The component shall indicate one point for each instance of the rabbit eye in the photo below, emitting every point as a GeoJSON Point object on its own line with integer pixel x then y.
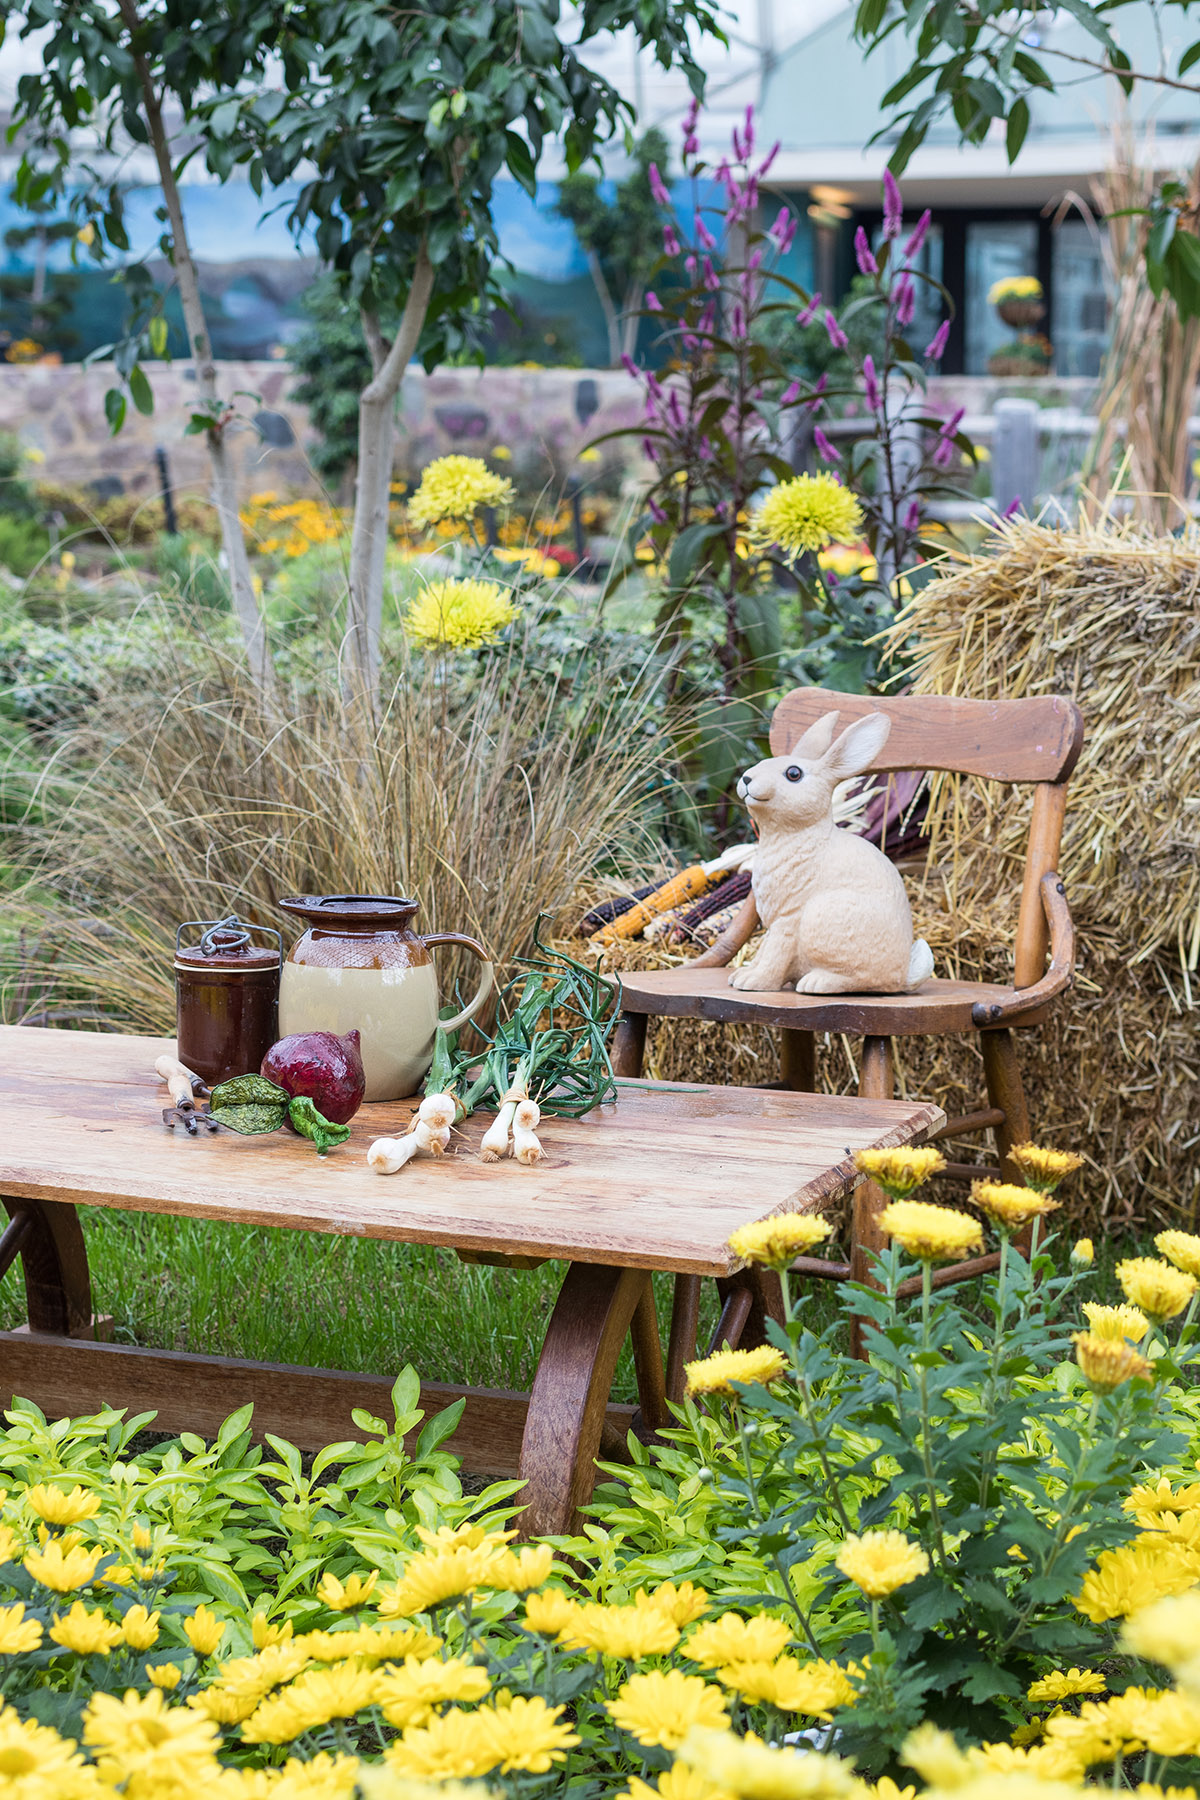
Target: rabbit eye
{"type": "Point", "coordinates": [794, 773]}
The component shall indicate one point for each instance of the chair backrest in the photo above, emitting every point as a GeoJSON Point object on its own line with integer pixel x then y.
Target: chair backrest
{"type": "Point", "coordinates": [1036, 740]}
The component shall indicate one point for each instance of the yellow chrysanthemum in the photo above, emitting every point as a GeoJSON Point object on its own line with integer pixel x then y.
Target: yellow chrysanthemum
{"type": "Point", "coordinates": [1009, 1207]}
{"type": "Point", "coordinates": [164, 1675]}
{"type": "Point", "coordinates": [526, 1734]}
{"type": "Point", "coordinates": [454, 1746]}
{"type": "Point", "coordinates": [1014, 287]}
{"type": "Point", "coordinates": [806, 513]}
{"type": "Point", "coordinates": [1107, 1364]}
{"type": "Point", "coordinates": [314, 1698]}
{"type": "Point", "coordinates": [930, 1233]}
{"type": "Point", "coordinates": [373, 1642]}
{"type": "Point", "coordinates": [57, 1508]}
{"type": "Point", "coordinates": [409, 1694]}
{"type": "Point", "coordinates": [627, 1632]}
{"type": "Point", "coordinates": [139, 1741]}
{"type": "Point", "coordinates": [452, 487]}
{"type": "Point", "coordinates": [433, 1577]}
{"type": "Point", "coordinates": [140, 1628]}
{"type": "Point", "coordinates": [1167, 1631]}
{"type": "Point", "coordinates": [1060, 1684]}
{"type": "Point", "coordinates": [815, 1687]}
{"type": "Point", "coordinates": [774, 1243]}
{"type": "Point", "coordinates": [1044, 1169]}
{"type": "Point", "coordinates": [204, 1631]}
{"type": "Point", "coordinates": [1132, 1576]}
{"type": "Point", "coordinates": [661, 1707]}
{"type": "Point", "coordinates": [355, 1592]}
{"type": "Point", "coordinates": [1158, 1289]}
{"type": "Point", "coordinates": [900, 1172]}
{"type": "Point", "coordinates": [1121, 1323]}
{"type": "Point", "coordinates": [716, 1374]}
{"type": "Point", "coordinates": [37, 1763]}
{"type": "Point", "coordinates": [935, 1756]}
{"type": "Point", "coordinates": [62, 1568]}
{"type": "Point", "coordinates": [242, 1683]}
{"type": "Point", "coordinates": [676, 1783]}
{"type": "Point", "coordinates": [326, 1777]}
{"type": "Point", "coordinates": [1082, 1253]}
{"type": "Point", "coordinates": [681, 1604]}
{"type": "Point", "coordinates": [550, 1613]}
{"type": "Point", "coordinates": [1159, 1504]}
{"type": "Point", "coordinates": [460, 613]}
{"type": "Point", "coordinates": [887, 1789]}
{"type": "Point", "coordinates": [18, 1635]}
{"type": "Point", "coordinates": [517, 1571]}
{"type": "Point", "coordinates": [85, 1631]}
{"type": "Point", "coordinates": [265, 1632]}
{"type": "Point", "coordinates": [879, 1562]}
{"type": "Point", "coordinates": [755, 1771]}
{"type": "Point", "coordinates": [1181, 1248]}
{"type": "Point", "coordinates": [730, 1639]}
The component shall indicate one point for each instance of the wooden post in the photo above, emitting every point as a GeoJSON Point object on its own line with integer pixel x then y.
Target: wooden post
{"type": "Point", "coordinates": [1015, 471]}
{"type": "Point", "coordinates": [629, 1044]}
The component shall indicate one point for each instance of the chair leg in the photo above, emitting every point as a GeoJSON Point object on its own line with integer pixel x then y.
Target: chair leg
{"type": "Point", "coordinates": [685, 1324]}
{"type": "Point", "coordinates": [876, 1082]}
{"type": "Point", "coordinates": [629, 1045]}
{"type": "Point", "coordinates": [797, 1054]}
{"type": "Point", "coordinates": [1006, 1093]}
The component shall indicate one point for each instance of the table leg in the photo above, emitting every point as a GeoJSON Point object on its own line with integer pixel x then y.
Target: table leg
{"type": "Point", "coordinates": [58, 1286]}
{"type": "Point", "coordinates": [593, 1313]}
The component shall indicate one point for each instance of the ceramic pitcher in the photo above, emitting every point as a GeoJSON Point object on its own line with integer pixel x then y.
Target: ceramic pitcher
{"type": "Point", "coordinates": [360, 967]}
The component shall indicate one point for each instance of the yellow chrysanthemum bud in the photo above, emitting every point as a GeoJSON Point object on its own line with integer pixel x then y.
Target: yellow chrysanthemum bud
{"type": "Point", "coordinates": [1082, 1254]}
{"type": "Point", "coordinates": [1105, 1362]}
{"type": "Point", "coordinates": [204, 1631]}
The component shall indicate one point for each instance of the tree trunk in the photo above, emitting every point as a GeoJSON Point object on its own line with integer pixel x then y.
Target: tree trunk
{"type": "Point", "coordinates": [611, 322]}
{"type": "Point", "coordinates": [376, 444]}
{"type": "Point", "coordinates": [224, 488]}
{"type": "Point", "coordinates": [633, 317]}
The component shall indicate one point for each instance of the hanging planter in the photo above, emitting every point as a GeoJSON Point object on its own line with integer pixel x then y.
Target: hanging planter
{"type": "Point", "coordinates": [1021, 314]}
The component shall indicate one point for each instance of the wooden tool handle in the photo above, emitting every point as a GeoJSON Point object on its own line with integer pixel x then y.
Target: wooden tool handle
{"type": "Point", "coordinates": [180, 1080]}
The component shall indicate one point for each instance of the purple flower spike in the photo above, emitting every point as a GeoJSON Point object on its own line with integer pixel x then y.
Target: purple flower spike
{"type": "Point", "coordinates": [906, 301]}
{"type": "Point", "coordinates": [871, 384]}
{"type": "Point", "coordinates": [712, 280]}
{"type": "Point", "coordinates": [690, 264]}
{"type": "Point", "coordinates": [893, 206]}
{"type": "Point", "coordinates": [825, 450]}
{"type": "Point", "coordinates": [862, 251]}
{"type": "Point", "coordinates": [791, 393]}
{"type": "Point", "coordinates": [671, 243]}
{"type": "Point", "coordinates": [943, 455]}
{"type": "Point", "coordinates": [658, 186]}
{"type": "Point", "coordinates": [918, 237]}
{"type": "Point", "coordinates": [737, 321]}
{"type": "Point", "coordinates": [769, 158]}
{"type": "Point", "coordinates": [650, 449]}
{"type": "Point", "coordinates": [954, 421]}
{"type": "Point", "coordinates": [935, 349]}
{"type": "Point", "coordinates": [814, 399]}
{"type": "Point", "coordinates": [704, 236]}
{"type": "Point", "coordinates": [656, 512]}
{"type": "Point", "coordinates": [739, 149]}
{"type": "Point", "coordinates": [810, 311]}
{"type": "Point", "coordinates": [1013, 508]}
{"type": "Point", "coordinates": [628, 364]}
{"type": "Point", "coordinates": [691, 144]}
{"type": "Point", "coordinates": [912, 516]}
{"type": "Point", "coordinates": [653, 303]}
{"type": "Point", "coordinates": [749, 131]}
{"type": "Point", "coordinates": [837, 336]}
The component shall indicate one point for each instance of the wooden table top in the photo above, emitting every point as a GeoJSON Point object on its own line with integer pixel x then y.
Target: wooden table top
{"type": "Point", "coordinates": [657, 1180]}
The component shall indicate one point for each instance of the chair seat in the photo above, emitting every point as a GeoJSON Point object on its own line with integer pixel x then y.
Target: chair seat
{"type": "Point", "coordinates": [937, 1007]}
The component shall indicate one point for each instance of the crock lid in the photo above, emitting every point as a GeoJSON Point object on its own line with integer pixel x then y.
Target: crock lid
{"type": "Point", "coordinates": [245, 956]}
{"type": "Point", "coordinates": [227, 944]}
{"type": "Point", "coordinates": [384, 912]}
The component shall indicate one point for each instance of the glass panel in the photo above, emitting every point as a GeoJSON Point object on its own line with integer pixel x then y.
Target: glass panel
{"type": "Point", "coordinates": [994, 249]}
{"type": "Point", "coordinates": [1079, 324]}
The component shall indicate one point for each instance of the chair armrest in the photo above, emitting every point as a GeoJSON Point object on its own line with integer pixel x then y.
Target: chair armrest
{"type": "Point", "coordinates": [1058, 976]}
{"type": "Point", "coordinates": [739, 931]}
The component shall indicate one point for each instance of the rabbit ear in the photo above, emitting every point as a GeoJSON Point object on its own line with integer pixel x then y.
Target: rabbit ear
{"type": "Point", "coordinates": [857, 747]}
{"type": "Point", "coordinates": [817, 739]}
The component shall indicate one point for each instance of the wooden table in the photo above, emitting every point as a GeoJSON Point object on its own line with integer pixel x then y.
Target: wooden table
{"type": "Point", "coordinates": [655, 1182]}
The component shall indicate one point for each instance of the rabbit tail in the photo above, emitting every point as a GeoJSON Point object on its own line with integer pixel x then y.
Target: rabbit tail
{"type": "Point", "coordinates": [920, 963]}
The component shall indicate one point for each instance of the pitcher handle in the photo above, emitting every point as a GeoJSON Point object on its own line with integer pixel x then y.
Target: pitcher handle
{"type": "Point", "coordinates": [486, 980]}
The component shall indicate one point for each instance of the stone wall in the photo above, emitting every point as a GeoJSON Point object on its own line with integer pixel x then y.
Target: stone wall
{"type": "Point", "coordinates": [543, 417]}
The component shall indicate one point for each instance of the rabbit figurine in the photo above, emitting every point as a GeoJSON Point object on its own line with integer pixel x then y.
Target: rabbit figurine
{"type": "Point", "coordinates": [836, 914]}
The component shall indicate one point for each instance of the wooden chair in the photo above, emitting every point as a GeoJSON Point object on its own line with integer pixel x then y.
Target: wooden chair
{"type": "Point", "coordinates": [1036, 741]}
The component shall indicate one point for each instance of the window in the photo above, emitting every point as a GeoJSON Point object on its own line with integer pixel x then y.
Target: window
{"type": "Point", "coordinates": [1079, 321]}
{"type": "Point", "coordinates": [994, 249]}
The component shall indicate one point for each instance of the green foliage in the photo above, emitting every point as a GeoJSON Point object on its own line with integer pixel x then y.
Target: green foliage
{"type": "Point", "coordinates": [622, 238]}
{"type": "Point", "coordinates": [330, 356]}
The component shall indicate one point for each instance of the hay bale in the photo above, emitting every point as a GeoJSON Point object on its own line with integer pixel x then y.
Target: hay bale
{"type": "Point", "coordinates": [1110, 616]}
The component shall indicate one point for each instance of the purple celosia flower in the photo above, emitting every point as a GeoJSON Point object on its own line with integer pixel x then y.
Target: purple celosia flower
{"type": "Point", "coordinates": [690, 341]}
{"type": "Point", "coordinates": [671, 243]}
{"type": "Point", "coordinates": [769, 158]}
{"type": "Point", "coordinates": [754, 260]}
{"type": "Point", "coordinates": [658, 186]}
{"type": "Point", "coordinates": [912, 516]}
{"type": "Point", "coordinates": [737, 321]}
{"type": "Point", "coordinates": [810, 311]}
{"type": "Point", "coordinates": [653, 303]}
{"type": "Point", "coordinates": [1013, 508]}
{"type": "Point", "coordinates": [918, 236]}
{"type": "Point", "coordinates": [863, 256]}
{"type": "Point", "coordinates": [656, 512]}
{"type": "Point", "coordinates": [906, 302]}
{"type": "Point", "coordinates": [712, 280]}
{"type": "Point", "coordinates": [749, 131]}
{"type": "Point", "coordinates": [935, 349]}
{"type": "Point", "coordinates": [953, 422]}
{"type": "Point", "coordinates": [871, 384]}
{"type": "Point", "coordinates": [837, 336]}
{"type": "Point", "coordinates": [650, 449]}
{"type": "Point", "coordinates": [675, 410]}
{"type": "Point", "coordinates": [825, 450]}
{"type": "Point", "coordinates": [628, 364]}
{"type": "Point", "coordinates": [691, 144]}
{"type": "Point", "coordinates": [704, 450]}
{"type": "Point", "coordinates": [690, 264]}
{"type": "Point", "coordinates": [791, 392]}
{"type": "Point", "coordinates": [893, 206]}
{"type": "Point", "coordinates": [704, 236]}
{"type": "Point", "coordinates": [943, 454]}
{"type": "Point", "coordinates": [653, 384]}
